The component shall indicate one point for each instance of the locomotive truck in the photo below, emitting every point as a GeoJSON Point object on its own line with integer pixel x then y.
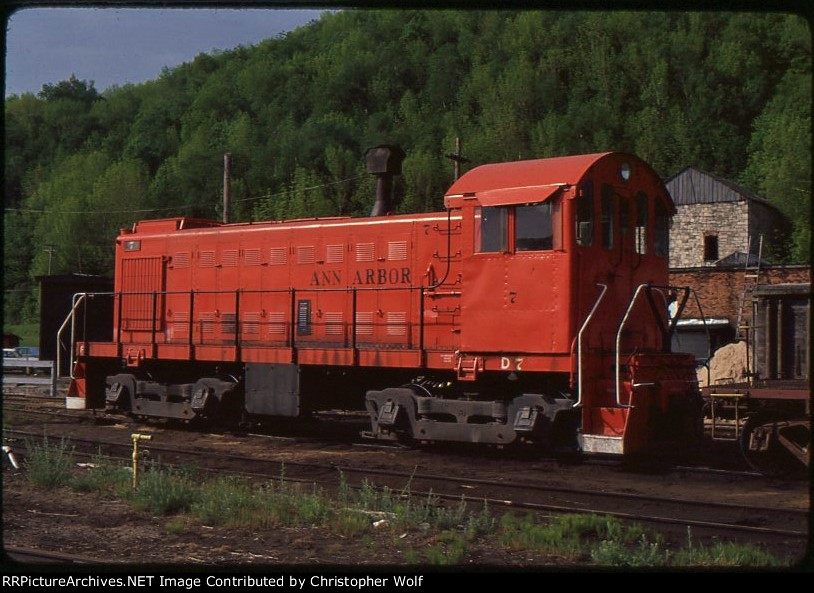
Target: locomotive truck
{"type": "Point", "coordinates": [533, 310]}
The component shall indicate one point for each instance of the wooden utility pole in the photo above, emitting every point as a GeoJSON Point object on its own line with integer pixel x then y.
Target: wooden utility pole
{"type": "Point", "coordinates": [227, 174]}
{"type": "Point", "coordinates": [458, 158]}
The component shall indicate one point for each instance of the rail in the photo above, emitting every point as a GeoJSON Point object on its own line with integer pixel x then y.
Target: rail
{"type": "Point", "coordinates": [76, 301]}
{"type": "Point", "coordinates": [579, 342]}
{"type": "Point", "coordinates": [667, 334]}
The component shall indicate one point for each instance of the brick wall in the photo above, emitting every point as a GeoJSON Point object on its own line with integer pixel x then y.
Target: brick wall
{"type": "Point", "coordinates": [720, 290]}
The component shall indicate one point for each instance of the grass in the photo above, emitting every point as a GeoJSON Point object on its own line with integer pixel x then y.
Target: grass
{"type": "Point", "coordinates": [440, 534]}
{"type": "Point", "coordinates": [722, 554]}
{"type": "Point", "coordinates": [104, 477]}
{"type": "Point", "coordinates": [48, 466]}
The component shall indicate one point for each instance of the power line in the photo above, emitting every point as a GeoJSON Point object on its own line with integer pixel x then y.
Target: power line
{"type": "Point", "coordinates": [35, 211]}
{"type": "Point", "coordinates": [183, 207]}
{"type": "Point", "coordinates": [283, 192]}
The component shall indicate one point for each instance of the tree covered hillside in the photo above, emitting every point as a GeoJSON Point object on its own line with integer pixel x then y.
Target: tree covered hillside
{"type": "Point", "coordinates": [726, 92]}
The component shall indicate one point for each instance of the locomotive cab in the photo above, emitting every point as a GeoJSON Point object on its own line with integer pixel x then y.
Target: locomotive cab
{"type": "Point", "coordinates": [565, 271]}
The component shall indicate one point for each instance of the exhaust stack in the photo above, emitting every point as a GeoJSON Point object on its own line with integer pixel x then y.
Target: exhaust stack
{"type": "Point", "coordinates": [384, 161]}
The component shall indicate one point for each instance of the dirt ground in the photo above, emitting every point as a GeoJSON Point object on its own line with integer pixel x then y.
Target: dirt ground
{"type": "Point", "coordinates": [89, 526]}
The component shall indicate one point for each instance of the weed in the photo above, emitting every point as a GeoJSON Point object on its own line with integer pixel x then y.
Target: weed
{"type": "Point", "coordinates": [176, 526]}
{"type": "Point", "coordinates": [103, 477]}
{"type": "Point", "coordinates": [48, 466]}
{"type": "Point", "coordinates": [722, 554]}
{"type": "Point", "coordinates": [451, 549]}
{"type": "Point", "coordinates": [616, 553]}
{"type": "Point", "coordinates": [351, 524]}
{"type": "Point", "coordinates": [481, 524]}
{"type": "Point", "coordinates": [164, 492]}
{"type": "Point", "coordinates": [226, 501]}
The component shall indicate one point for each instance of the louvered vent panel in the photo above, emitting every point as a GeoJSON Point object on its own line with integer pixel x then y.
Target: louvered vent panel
{"type": "Point", "coordinates": [229, 257]}
{"type": "Point", "coordinates": [207, 321]}
{"type": "Point", "coordinates": [365, 252]}
{"type": "Point", "coordinates": [278, 256]}
{"type": "Point", "coordinates": [335, 254]}
{"type": "Point", "coordinates": [206, 259]}
{"type": "Point", "coordinates": [276, 323]}
{"type": "Point", "coordinates": [397, 250]}
{"type": "Point", "coordinates": [251, 323]}
{"type": "Point", "coordinates": [305, 254]}
{"type": "Point", "coordinates": [364, 323]}
{"type": "Point", "coordinates": [333, 324]}
{"type": "Point", "coordinates": [396, 323]}
{"type": "Point", "coordinates": [180, 325]}
{"type": "Point", "coordinates": [181, 259]}
{"type": "Point", "coordinates": [252, 257]}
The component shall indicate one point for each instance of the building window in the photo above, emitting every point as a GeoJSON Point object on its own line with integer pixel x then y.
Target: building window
{"type": "Point", "coordinates": [710, 247]}
{"type": "Point", "coordinates": [662, 230]}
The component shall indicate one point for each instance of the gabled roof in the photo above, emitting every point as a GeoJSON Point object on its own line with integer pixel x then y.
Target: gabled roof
{"type": "Point", "coordinates": [694, 186]}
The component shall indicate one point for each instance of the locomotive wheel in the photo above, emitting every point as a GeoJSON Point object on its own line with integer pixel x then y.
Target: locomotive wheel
{"type": "Point", "coordinates": [763, 451]}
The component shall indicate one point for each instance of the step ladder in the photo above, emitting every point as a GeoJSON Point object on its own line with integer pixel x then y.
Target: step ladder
{"type": "Point", "coordinates": [751, 278]}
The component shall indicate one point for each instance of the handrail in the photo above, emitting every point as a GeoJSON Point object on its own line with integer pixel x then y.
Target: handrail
{"type": "Point", "coordinates": [619, 344]}
{"type": "Point", "coordinates": [415, 324]}
{"type": "Point", "coordinates": [579, 342]}
{"type": "Point", "coordinates": [72, 319]}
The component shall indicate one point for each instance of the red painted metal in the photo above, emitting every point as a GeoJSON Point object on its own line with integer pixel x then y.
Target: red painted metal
{"type": "Point", "coordinates": [409, 291]}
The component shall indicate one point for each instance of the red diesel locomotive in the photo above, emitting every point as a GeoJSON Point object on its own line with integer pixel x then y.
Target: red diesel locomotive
{"type": "Point", "coordinates": [533, 310]}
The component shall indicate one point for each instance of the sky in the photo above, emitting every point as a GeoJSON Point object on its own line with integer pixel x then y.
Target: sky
{"type": "Point", "coordinates": [114, 46]}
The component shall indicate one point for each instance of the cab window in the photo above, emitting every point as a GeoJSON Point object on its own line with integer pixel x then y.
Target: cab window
{"type": "Point", "coordinates": [585, 215]}
{"type": "Point", "coordinates": [533, 228]}
{"type": "Point", "coordinates": [641, 223]}
{"type": "Point", "coordinates": [608, 207]}
{"type": "Point", "coordinates": [624, 220]}
{"type": "Point", "coordinates": [491, 228]}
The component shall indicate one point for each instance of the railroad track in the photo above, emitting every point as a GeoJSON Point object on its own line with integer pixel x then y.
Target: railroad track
{"type": "Point", "coordinates": [345, 431]}
{"type": "Point", "coordinates": [725, 520]}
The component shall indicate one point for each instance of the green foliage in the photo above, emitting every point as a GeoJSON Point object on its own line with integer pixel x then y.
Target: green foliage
{"type": "Point", "coordinates": [48, 466]}
{"type": "Point", "coordinates": [727, 92]}
{"type": "Point", "coordinates": [165, 492]}
{"type": "Point", "coordinates": [104, 477]}
{"type": "Point", "coordinates": [722, 554]}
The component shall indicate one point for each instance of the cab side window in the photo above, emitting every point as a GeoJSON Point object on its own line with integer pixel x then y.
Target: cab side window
{"type": "Point", "coordinates": [491, 228]}
{"type": "Point", "coordinates": [624, 221]}
{"type": "Point", "coordinates": [585, 215]}
{"type": "Point", "coordinates": [533, 228]}
{"type": "Point", "coordinates": [641, 223]}
{"type": "Point", "coordinates": [608, 207]}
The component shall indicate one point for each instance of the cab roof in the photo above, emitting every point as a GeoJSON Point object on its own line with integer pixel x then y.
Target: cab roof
{"type": "Point", "coordinates": [527, 181]}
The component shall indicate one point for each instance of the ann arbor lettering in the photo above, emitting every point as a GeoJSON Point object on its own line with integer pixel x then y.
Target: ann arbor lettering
{"type": "Point", "coordinates": [366, 277]}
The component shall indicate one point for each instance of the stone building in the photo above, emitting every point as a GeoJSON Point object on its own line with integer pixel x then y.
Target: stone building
{"type": "Point", "coordinates": [715, 219]}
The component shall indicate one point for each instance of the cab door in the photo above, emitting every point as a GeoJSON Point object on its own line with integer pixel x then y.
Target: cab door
{"type": "Point", "coordinates": [515, 281]}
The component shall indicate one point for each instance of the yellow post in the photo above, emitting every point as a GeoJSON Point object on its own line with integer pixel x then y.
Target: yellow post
{"type": "Point", "coordinates": [136, 438]}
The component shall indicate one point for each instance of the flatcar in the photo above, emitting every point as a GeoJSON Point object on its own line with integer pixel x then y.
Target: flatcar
{"type": "Point", "coordinates": [533, 310]}
{"type": "Point", "coordinates": [771, 409]}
